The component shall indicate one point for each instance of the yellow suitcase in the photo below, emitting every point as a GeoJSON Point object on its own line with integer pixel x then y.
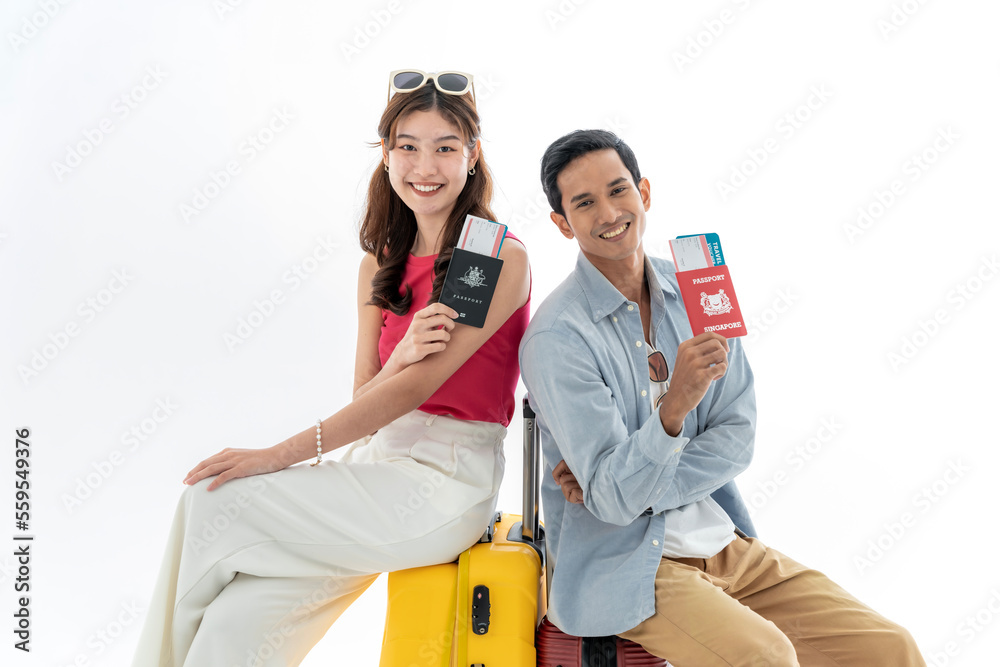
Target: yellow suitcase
{"type": "Point", "coordinates": [482, 609]}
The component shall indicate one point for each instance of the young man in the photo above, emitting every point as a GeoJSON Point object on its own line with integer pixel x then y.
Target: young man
{"type": "Point", "coordinates": [648, 537]}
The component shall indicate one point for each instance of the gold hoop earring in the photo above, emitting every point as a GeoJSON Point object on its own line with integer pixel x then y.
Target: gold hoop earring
{"type": "Point", "coordinates": [472, 172]}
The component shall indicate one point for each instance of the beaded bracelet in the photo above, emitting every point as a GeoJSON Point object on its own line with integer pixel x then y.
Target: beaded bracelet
{"type": "Point", "coordinates": [319, 443]}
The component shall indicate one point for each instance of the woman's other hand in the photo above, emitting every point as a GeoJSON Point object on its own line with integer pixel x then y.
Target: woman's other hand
{"type": "Point", "coordinates": [232, 463]}
{"type": "Point", "coordinates": [429, 332]}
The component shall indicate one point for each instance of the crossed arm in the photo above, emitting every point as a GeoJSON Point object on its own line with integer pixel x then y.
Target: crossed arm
{"type": "Point", "coordinates": [618, 475]}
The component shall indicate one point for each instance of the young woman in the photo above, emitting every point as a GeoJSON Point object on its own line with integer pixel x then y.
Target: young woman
{"type": "Point", "coordinates": [264, 555]}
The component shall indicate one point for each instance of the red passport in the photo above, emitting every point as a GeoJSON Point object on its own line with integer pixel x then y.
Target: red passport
{"type": "Point", "coordinates": [710, 301]}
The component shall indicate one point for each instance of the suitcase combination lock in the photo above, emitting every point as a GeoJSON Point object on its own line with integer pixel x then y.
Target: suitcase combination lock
{"type": "Point", "coordinates": [480, 610]}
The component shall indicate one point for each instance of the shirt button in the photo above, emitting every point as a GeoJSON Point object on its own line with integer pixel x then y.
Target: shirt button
{"type": "Point", "coordinates": [677, 450]}
{"type": "Point", "coordinates": [631, 307]}
{"type": "Point", "coordinates": [638, 343]}
{"type": "Point", "coordinates": [643, 392]}
{"type": "Point", "coordinates": [656, 543]}
{"type": "Point", "coordinates": [614, 319]}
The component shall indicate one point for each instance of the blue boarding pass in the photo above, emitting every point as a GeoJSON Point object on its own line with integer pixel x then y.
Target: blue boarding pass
{"type": "Point", "coordinates": [482, 236]}
{"type": "Point", "coordinates": [697, 251]}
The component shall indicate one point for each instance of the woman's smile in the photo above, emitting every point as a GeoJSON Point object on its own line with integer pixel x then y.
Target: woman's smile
{"type": "Point", "coordinates": [425, 189]}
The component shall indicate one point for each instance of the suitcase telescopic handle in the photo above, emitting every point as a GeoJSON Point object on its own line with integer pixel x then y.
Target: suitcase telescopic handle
{"type": "Point", "coordinates": [530, 527]}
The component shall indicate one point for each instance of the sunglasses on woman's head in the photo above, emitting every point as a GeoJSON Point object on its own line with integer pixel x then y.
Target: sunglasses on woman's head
{"type": "Point", "coordinates": [449, 83]}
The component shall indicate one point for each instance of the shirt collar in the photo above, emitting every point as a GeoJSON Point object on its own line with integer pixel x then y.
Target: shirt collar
{"type": "Point", "coordinates": [603, 297]}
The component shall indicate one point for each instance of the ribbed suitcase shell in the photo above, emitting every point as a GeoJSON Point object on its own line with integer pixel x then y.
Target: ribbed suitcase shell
{"type": "Point", "coordinates": [421, 617]}
{"type": "Point", "coordinates": [557, 649]}
{"type": "Point", "coordinates": [514, 573]}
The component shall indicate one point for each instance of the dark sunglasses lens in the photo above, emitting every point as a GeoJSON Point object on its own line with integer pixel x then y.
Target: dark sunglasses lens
{"type": "Point", "coordinates": [453, 82]}
{"type": "Point", "coordinates": [407, 80]}
{"type": "Point", "coordinates": [657, 367]}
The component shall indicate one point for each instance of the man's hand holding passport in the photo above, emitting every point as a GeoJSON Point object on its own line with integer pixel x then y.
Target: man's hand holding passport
{"type": "Point", "coordinates": [706, 287]}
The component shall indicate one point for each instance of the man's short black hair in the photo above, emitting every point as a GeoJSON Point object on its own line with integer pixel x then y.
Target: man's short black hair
{"type": "Point", "coordinates": [567, 148]}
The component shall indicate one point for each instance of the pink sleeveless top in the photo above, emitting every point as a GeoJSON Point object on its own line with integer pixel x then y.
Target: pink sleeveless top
{"type": "Point", "coordinates": [482, 389]}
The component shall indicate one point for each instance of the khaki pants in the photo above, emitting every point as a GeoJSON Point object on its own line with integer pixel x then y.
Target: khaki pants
{"type": "Point", "coordinates": [751, 605]}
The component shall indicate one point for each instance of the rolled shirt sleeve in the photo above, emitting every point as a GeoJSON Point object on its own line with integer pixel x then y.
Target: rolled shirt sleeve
{"type": "Point", "coordinates": [723, 447]}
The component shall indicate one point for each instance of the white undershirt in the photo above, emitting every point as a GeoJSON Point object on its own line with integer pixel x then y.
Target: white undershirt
{"type": "Point", "coordinates": [700, 529]}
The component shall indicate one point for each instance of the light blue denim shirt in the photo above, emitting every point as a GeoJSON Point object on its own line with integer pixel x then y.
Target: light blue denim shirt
{"type": "Point", "coordinates": [583, 361]}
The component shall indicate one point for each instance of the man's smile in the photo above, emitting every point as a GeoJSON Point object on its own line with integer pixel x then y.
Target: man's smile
{"type": "Point", "coordinates": [616, 232]}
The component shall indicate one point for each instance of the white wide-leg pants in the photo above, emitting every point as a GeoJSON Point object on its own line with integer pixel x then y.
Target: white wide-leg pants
{"type": "Point", "coordinates": [256, 571]}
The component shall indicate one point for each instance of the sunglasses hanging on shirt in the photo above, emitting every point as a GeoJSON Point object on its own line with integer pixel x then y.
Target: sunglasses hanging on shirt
{"type": "Point", "coordinates": [658, 372]}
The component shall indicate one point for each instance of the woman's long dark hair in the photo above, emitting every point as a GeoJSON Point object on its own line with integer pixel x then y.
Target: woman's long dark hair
{"type": "Point", "coordinates": [389, 228]}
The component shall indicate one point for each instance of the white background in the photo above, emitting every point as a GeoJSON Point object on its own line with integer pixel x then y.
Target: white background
{"type": "Point", "coordinates": [828, 308]}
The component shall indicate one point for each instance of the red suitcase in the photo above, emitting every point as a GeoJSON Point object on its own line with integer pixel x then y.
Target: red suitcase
{"type": "Point", "coordinates": [557, 649]}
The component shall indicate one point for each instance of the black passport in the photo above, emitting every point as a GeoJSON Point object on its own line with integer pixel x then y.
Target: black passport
{"type": "Point", "coordinates": [469, 285]}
